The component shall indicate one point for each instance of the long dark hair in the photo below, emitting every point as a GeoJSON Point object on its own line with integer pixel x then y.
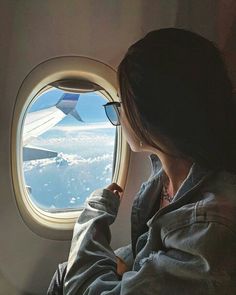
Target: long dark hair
{"type": "Point", "coordinates": [174, 85]}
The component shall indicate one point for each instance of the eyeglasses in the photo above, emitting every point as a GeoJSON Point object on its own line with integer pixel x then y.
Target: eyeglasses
{"type": "Point", "coordinates": [112, 112]}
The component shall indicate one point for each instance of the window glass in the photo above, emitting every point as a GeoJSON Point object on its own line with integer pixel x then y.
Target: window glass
{"type": "Point", "coordinates": [68, 149]}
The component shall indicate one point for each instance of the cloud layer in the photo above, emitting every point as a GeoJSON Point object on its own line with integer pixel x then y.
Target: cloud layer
{"type": "Point", "coordinates": [84, 163]}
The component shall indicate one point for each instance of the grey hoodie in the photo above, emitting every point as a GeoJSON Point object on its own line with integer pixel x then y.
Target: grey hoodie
{"type": "Point", "coordinates": [187, 247]}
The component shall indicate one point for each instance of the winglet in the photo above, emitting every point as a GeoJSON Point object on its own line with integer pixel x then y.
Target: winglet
{"type": "Point", "coordinates": [67, 104]}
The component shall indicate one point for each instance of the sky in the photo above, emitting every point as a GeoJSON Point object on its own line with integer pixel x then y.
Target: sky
{"type": "Point", "coordinates": [85, 155]}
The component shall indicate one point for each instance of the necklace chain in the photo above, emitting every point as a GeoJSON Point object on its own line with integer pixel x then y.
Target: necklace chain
{"type": "Point", "coordinates": [164, 194]}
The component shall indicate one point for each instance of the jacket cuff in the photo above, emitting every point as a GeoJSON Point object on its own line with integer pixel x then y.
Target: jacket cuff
{"type": "Point", "coordinates": [105, 200]}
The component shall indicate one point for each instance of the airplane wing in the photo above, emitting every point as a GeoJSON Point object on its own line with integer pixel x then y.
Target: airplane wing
{"type": "Point", "coordinates": [34, 153]}
{"type": "Point", "coordinates": [38, 122]}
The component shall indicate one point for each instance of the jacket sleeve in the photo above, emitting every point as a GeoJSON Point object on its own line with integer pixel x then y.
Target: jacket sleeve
{"type": "Point", "coordinates": [203, 264]}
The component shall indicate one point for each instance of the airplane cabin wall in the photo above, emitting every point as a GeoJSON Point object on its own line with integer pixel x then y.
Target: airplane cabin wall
{"type": "Point", "coordinates": [34, 31]}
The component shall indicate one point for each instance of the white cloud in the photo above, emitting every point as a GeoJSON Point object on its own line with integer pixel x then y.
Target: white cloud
{"type": "Point", "coordinates": [67, 160]}
{"type": "Point", "coordinates": [74, 138]}
{"type": "Point", "coordinates": [94, 126]}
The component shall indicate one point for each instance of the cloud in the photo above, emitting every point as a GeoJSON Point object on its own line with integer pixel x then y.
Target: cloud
{"type": "Point", "coordinates": [81, 138]}
{"type": "Point", "coordinates": [67, 160]}
{"type": "Point", "coordinates": [94, 126]}
{"type": "Point", "coordinates": [69, 136]}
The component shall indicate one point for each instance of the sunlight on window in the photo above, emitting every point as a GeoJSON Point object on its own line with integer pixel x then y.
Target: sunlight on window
{"type": "Point", "coordinates": [68, 149]}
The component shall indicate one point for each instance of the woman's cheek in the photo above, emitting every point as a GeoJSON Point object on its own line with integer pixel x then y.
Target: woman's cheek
{"type": "Point", "coordinates": [131, 138]}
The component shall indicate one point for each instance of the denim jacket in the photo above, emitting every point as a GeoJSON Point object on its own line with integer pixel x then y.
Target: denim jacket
{"type": "Point", "coordinates": [187, 247]}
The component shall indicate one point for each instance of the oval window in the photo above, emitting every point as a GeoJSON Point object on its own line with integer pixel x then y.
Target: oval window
{"type": "Point", "coordinates": [63, 146]}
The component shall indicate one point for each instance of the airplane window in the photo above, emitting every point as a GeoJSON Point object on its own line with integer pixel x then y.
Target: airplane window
{"type": "Point", "coordinates": [67, 148]}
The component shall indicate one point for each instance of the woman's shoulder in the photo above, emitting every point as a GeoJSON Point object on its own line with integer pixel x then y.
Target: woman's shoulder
{"type": "Point", "coordinates": [215, 203]}
{"type": "Point", "coordinates": [218, 200]}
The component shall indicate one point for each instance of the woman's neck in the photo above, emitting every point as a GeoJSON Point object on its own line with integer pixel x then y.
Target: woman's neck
{"type": "Point", "coordinates": [176, 170]}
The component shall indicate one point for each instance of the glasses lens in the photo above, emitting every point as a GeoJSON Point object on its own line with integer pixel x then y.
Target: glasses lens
{"type": "Point", "coordinates": [112, 114]}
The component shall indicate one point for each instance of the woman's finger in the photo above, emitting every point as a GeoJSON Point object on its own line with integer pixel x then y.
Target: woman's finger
{"type": "Point", "coordinates": [114, 187]}
{"type": "Point", "coordinates": [121, 266]}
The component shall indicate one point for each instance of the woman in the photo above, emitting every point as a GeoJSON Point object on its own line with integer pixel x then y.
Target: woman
{"type": "Point", "coordinates": [176, 103]}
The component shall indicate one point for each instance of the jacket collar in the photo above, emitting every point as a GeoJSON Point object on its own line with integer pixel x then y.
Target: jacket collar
{"type": "Point", "coordinates": [195, 176]}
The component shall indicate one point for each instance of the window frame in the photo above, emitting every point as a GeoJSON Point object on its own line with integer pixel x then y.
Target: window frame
{"type": "Point", "coordinates": [59, 225]}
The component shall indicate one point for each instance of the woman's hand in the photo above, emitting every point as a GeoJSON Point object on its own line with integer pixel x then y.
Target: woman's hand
{"type": "Point", "coordinates": [116, 189]}
{"type": "Point", "coordinates": [121, 266]}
